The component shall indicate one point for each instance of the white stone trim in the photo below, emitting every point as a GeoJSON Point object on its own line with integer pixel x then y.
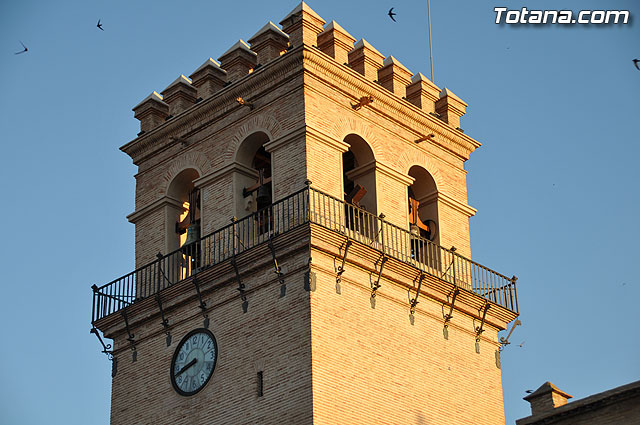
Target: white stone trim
{"type": "Point", "coordinates": [135, 216]}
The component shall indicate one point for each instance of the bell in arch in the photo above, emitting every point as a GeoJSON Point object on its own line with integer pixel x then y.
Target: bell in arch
{"type": "Point", "coordinates": [193, 233]}
{"type": "Point", "coordinates": [191, 223]}
{"type": "Point", "coordinates": [417, 227]}
{"type": "Point", "coordinates": [263, 197]}
{"type": "Point", "coordinates": [262, 189]}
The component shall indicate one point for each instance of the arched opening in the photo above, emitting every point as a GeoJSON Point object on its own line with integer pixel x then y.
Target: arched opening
{"type": "Point", "coordinates": [423, 216]}
{"type": "Point", "coordinates": [358, 178]}
{"type": "Point", "coordinates": [359, 184]}
{"type": "Point", "coordinates": [423, 206]}
{"type": "Point", "coordinates": [253, 180]}
{"type": "Point", "coordinates": [184, 224]}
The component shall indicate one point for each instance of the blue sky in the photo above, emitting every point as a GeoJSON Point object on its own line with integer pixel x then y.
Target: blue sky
{"type": "Point", "coordinates": [555, 182]}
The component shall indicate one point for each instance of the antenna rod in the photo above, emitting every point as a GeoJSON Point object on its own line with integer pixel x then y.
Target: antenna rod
{"type": "Point", "coordinates": [430, 46]}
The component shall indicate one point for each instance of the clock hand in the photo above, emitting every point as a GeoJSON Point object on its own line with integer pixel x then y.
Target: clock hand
{"type": "Point", "coordinates": [187, 366]}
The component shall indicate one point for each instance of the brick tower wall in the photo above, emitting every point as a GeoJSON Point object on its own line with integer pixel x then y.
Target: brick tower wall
{"type": "Point", "coordinates": [273, 337]}
{"type": "Point", "coordinates": [373, 366]}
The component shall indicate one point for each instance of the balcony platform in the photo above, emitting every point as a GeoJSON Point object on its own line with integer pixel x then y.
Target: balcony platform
{"type": "Point", "coordinates": [314, 221]}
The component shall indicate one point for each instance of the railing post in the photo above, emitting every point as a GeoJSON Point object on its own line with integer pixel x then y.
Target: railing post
{"type": "Point", "coordinates": [513, 294]}
{"type": "Point", "coordinates": [234, 224]}
{"type": "Point", "coordinates": [307, 198]}
{"type": "Point", "coordinates": [453, 263]}
{"type": "Point", "coordinates": [159, 271]}
{"type": "Point", "coordinates": [94, 287]}
{"type": "Point", "coordinates": [381, 217]}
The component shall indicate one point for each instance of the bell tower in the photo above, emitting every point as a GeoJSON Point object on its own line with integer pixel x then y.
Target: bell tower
{"type": "Point", "coordinates": [302, 246]}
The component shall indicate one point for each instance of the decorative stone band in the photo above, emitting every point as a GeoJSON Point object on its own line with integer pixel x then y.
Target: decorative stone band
{"type": "Point", "coordinates": [165, 201]}
{"type": "Point", "coordinates": [447, 200]}
{"type": "Point", "coordinates": [381, 169]}
{"type": "Point", "coordinates": [227, 170]}
{"type": "Point", "coordinates": [327, 140]}
{"type": "Point", "coordinates": [294, 134]}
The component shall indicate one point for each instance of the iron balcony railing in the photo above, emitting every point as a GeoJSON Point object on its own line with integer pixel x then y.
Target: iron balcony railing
{"type": "Point", "coordinates": [304, 206]}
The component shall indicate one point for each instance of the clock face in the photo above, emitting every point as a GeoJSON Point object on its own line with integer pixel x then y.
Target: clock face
{"type": "Point", "coordinates": [193, 362]}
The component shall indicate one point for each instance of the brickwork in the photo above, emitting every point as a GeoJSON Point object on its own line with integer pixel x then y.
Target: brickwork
{"type": "Point", "coordinates": [394, 147]}
{"type": "Point", "coordinates": [211, 150]}
{"type": "Point", "coordinates": [326, 357]}
{"type": "Point", "coordinates": [272, 337]}
{"type": "Point", "coordinates": [372, 366]}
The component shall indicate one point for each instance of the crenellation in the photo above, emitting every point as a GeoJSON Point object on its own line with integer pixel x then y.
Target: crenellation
{"type": "Point", "coordinates": [450, 107]}
{"type": "Point", "coordinates": [423, 93]}
{"type": "Point", "coordinates": [303, 25]}
{"type": "Point", "coordinates": [365, 59]}
{"type": "Point", "coordinates": [179, 95]}
{"type": "Point", "coordinates": [151, 112]}
{"type": "Point", "coordinates": [238, 61]}
{"type": "Point", "coordinates": [208, 78]}
{"type": "Point", "coordinates": [336, 42]}
{"type": "Point", "coordinates": [394, 76]}
{"type": "Point", "coordinates": [269, 43]}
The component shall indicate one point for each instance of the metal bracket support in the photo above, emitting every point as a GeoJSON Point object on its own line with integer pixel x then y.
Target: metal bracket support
{"type": "Point", "coordinates": [106, 348]}
{"type": "Point", "coordinates": [448, 317]}
{"type": "Point", "coordinates": [134, 354]}
{"type": "Point", "coordinates": [480, 329]}
{"type": "Point", "coordinates": [505, 341]}
{"type": "Point", "coordinates": [413, 302]}
{"type": "Point", "coordinates": [346, 244]}
{"type": "Point", "coordinates": [309, 278]}
{"type": "Point", "coordinates": [277, 269]}
{"type": "Point", "coordinates": [203, 305]}
{"type": "Point", "coordinates": [241, 286]}
{"type": "Point", "coordinates": [376, 286]}
{"type": "Point", "coordinates": [165, 321]}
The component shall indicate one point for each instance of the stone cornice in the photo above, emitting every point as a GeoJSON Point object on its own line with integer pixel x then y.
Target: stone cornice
{"type": "Point", "coordinates": [456, 205]}
{"type": "Point", "coordinates": [204, 113]}
{"type": "Point", "coordinates": [380, 168]}
{"type": "Point", "coordinates": [447, 200]}
{"type": "Point", "coordinates": [395, 175]}
{"type": "Point", "coordinates": [324, 67]}
{"type": "Point", "coordinates": [234, 167]}
{"type": "Point", "coordinates": [135, 216]}
{"type": "Point", "coordinates": [327, 140]}
{"type": "Point", "coordinates": [276, 144]}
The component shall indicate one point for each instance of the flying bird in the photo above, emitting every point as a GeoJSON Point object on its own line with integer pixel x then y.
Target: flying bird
{"type": "Point", "coordinates": [25, 49]}
{"type": "Point", "coordinates": [99, 25]}
{"type": "Point", "coordinates": [635, 62]}
{"type": "Point", "coordinates": [391, 15]}
{"type": "Point", "coordinates": [529, 391]}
